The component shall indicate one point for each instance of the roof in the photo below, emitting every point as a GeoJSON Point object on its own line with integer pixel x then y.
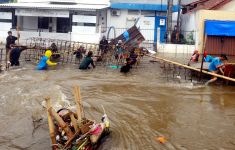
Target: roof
{"type": "Point", "coordinates": [205, 4]}
{"type": "Point", "coordinates": [78, 6]}
{"type": "Point", "coordinates": [139, 6]}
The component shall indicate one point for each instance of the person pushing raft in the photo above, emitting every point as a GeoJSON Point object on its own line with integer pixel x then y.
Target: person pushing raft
{"type": "Point", "coordinates": [45, 61]}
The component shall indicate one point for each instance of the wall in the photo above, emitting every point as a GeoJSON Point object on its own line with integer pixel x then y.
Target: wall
{"type": "Point", "coordinates": [176, 48]}
{"type": "Point", "coordinates": [5, 26]}
{"type": "Point", "coordinates": [203, 15]}
{"type": "Point", "coordinates": [229, 6]}
{"type": "Point", "coordinates": [30, 23]}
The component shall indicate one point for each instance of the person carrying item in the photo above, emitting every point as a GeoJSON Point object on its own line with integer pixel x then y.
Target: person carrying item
{"type": "Point", "coordinates": [216, 66]}
{"type": "Point", "coordinates": [45, 61]}
{"type": "Point", "coordinates": [15, 55]}
{"type": "Point", "coordinates": [87, 61]}
{"type": "Point", "coordinates": [10, 40]}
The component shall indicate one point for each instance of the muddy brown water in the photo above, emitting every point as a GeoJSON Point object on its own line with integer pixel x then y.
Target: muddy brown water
{"type": "Point", "coordinates": [141, 106]}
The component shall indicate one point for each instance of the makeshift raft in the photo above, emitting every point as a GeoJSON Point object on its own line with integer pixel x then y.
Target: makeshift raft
{"type": "Point", "coordinates": [71, 130]}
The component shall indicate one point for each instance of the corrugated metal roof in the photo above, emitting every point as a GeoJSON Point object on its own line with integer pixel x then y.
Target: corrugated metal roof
{"type": "Point", "coordinates": [205, 4]}
{"type": "Point", "coordinates": [55, 6]}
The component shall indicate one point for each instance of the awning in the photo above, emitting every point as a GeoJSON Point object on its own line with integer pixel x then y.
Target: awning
{"type": "Point", "coordinates": [220, 28]}
{"type": "Point", "coordinates": [138, 6]}
{"type": "Point", "coordinates": [79, 6]}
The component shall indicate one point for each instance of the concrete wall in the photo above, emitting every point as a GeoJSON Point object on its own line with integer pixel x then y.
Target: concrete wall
{"type": "Point", "coordinates": [203, 15]}
{"type": "Point", "coordinates": [228, 7]}
{"type": "Point", "coordinates": [176, 48]}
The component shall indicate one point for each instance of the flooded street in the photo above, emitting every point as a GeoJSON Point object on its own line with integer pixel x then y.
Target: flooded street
{"type": "Point", "coordinates": [141, 106]}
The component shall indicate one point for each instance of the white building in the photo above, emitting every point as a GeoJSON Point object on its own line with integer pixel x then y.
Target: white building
{"type": "Point", "coordinates": [60, 19]}
{"type": "Point", "coordinates": [148, 15]}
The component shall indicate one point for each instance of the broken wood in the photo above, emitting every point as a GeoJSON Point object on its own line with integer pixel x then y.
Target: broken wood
{"type": "Point", "coordinates": [51, 125]}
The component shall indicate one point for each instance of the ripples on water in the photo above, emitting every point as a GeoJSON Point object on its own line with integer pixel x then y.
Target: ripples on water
{"type": "Point", "coordinates": [141, 106]}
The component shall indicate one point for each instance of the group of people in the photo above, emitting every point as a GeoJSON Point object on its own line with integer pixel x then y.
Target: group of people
{"type": "Point", "coordinates": [216, 64]}
{"type": "Point", "coordinates": [13, 54]}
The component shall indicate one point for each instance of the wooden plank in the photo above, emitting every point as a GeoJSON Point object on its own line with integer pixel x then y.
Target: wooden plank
{"type": "Point", "coordinates": [77, 96]}
{"type": "Point", "coordinates": [192, 68]}
{"type": "Point", "coordinates": [61, 122]}
{"type": "Point", "coordinates": [51, 125]}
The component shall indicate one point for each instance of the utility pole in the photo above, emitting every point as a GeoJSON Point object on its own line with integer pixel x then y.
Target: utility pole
{"type": "Point", "coordinates": [178, 20]}
{"type": "Point", "coordinates": [169, 19]}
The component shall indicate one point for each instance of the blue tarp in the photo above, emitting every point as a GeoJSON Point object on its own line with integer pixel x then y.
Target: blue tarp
{"type": "Point", "coordinates": [220, 28]}
{"type": "Point", "coordinates": [137, 6]}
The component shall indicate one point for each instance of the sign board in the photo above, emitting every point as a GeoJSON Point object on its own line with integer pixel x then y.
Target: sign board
{"type": "Point", "coordinates": [162, 22]}
{"type": "Point", "coordinates": [42, 13]}
{"type": "Point", "coordinates": [84, 19]}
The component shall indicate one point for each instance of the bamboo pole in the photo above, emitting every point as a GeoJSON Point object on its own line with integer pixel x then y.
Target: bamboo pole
{"type": "Point", "coordinates": [203, 51]}
{"type": "Point", "coordinates": [74, 121]}
{"type": "Point", "coordinates": [77, 96]}
{"type": "Point", "coordinates": [192, 68]}
{"type": "Point", "coordinates": [61, 123]}
{"type": "Point", "coordinates": [18, 35]}
{"type": "Point", "coordinates": [51, 125]}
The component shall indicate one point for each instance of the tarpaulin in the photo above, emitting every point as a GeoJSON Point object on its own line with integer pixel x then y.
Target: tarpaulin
{"type": "Point", "coordinates": [220, 28]}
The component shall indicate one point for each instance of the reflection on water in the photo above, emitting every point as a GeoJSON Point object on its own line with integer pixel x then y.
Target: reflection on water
{"type": "Point", "coordinates": [141, 106]}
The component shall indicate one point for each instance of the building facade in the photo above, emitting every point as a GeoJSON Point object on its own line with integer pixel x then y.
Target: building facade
{"type": "Point", "coordinates": [195, 20]}
{"type": "Point", "coordinates": [150, 16]}
{"type": "Point", "coordinates": [64, 19]}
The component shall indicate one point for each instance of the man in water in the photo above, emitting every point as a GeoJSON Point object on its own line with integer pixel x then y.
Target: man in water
{"type": "Point", "coordinates": [216, 66]}
{"type": "Point", "coordinates": [87, 61]}
{"type": "Point", "coordinates": [103, 45]}
{"type": "Point", "coordinates": [126, 68]}
{"type": "Point", "coordinates": [15, 55]}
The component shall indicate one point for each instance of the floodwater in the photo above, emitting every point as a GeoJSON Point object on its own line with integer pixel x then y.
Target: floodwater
{"type": "Point", "coordinates": [141, 105]}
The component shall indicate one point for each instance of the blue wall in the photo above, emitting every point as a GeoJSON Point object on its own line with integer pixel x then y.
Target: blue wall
{"type": "Point", "coordinates": [162, 29]}
{"type": "Point", "coordinates": [135, 6]}
{"type": "Point", "coordinates": [4, 1]}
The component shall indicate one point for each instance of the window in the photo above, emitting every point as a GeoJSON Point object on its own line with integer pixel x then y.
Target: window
{"type": "Point", "coordinates": [43, 22]}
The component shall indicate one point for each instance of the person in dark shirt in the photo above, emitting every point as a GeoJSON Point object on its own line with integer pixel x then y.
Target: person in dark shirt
{"type": "Point", "coordinates": [87, 61]}
{"type": "Point", "coordinates": [133, 56]}
{"type": "Point", "coordinates": [126, 68]}
{"type": "Point", "coordinates": [55, 53]}
{"type": "Point", "coordinates": [10, 40]}
{"type": "Point", "coordinates": [79, 53]}
{"type": "Point", "coordinates": [15, 55]}
{"type": "Point", "coordinates": [103, 45]}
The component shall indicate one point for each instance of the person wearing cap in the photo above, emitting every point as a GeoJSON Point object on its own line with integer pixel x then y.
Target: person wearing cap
{"type": "Point", "coordinates": [119, 48]}
{"type": "Point", "coordinates": [45, 61]}
{"type": "Point", "coordinates": [216, 66]}
{"type": "Point", "coordinates": [10, 40]}
{"type": "Point", "coordinates": [87, 61]}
